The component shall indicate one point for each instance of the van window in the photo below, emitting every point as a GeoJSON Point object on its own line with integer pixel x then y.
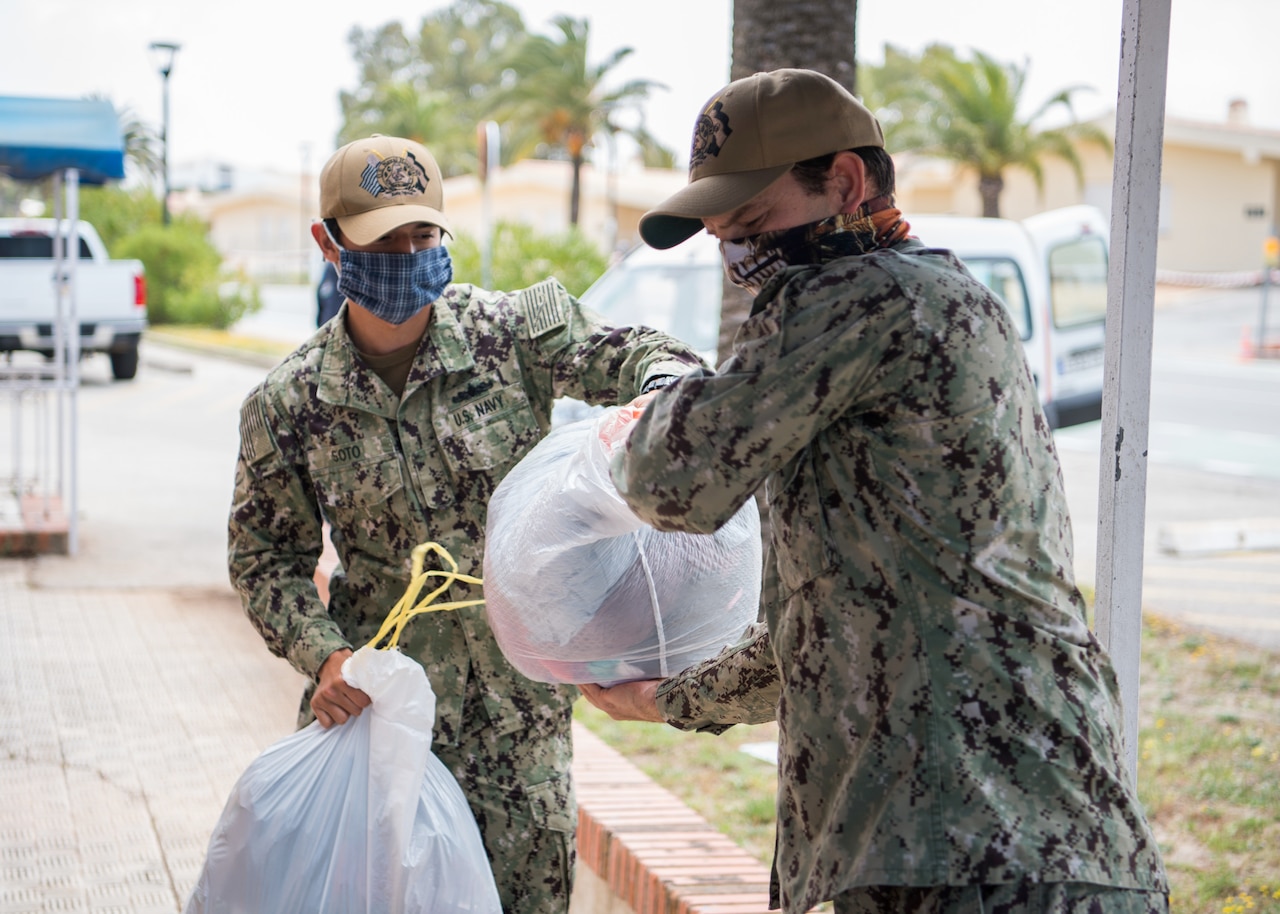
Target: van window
{"type": "Point", "coordinates": [683, 300]}
{"type": "Point", "coordinates": [1002, 276]}
{"type": "Point", "coordinates": [1078, 281]}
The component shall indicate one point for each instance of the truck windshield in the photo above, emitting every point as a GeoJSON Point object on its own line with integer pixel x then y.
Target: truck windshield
{"type": "Point", "coordinates": [1078, 282]}
{"type": "Point", "coordinates": [34, 247]}
{"type": "Point", "coordinates": [682, 300]}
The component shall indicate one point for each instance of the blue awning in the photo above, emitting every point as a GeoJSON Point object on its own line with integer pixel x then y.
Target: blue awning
{"type": "Point", "coordinates": [39, 136]}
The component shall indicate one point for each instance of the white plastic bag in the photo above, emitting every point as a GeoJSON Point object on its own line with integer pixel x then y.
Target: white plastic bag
{"type": "Point", "coordinates": [578, 589]}
{"type": "Point", "coordinates": [361, 818]}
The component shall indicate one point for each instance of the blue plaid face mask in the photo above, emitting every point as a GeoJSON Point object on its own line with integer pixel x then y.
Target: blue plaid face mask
{"type": "Point", "coordinates": [394, 287]}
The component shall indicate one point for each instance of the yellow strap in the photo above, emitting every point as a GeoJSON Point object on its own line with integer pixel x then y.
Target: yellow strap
{"type": "Point", "coordinates": [405, 609]}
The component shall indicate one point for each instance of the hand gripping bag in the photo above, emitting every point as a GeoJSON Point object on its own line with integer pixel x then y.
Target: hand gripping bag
{"type": "Point", "coordinates": [578, 589]}
{"type": "Point", "coordinates": [361, 818]}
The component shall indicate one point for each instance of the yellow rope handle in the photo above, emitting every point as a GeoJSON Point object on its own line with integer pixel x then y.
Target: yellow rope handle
{"type": "Point", "coordinates": [405, 609]}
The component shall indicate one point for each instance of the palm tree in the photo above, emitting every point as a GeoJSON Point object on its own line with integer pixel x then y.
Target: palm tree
{"type": "Point", "coordinates": [432, 85]}
{"type": "Point", "coordinates": [557, 101]}
{"type": "Point", "coordinates": [966, 111]}
{"type": "Point", "coordinates": [140, 141]}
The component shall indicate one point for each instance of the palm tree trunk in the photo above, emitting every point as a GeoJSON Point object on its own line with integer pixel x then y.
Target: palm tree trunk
{"type": "Point", "coordinates": [575, 190]}
{"type": "Point", "coordinates": [989, 188]}
{"type": "Point", "coordinates": [814, 34]}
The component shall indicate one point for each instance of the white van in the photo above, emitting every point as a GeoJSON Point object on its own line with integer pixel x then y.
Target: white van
{"type": "Point", "coordinates": [1050, 270]}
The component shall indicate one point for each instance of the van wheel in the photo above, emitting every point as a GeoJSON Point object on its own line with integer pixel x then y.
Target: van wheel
{"type": "Point", "coordinates": [124, 365]}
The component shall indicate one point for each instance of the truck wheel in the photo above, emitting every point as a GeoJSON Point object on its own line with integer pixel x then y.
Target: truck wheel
{"type": "Point", "coordinates": [124, 365]}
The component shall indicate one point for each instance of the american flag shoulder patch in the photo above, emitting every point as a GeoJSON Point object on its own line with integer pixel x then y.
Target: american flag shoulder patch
{"type": "Point", "coordinates": [545, 307]}
{"type": "Point", "coordinates": [255, 438]}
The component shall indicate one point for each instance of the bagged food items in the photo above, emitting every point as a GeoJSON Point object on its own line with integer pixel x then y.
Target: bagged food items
{"type": "Point", "coordinates": [361, 818]}
{"type": "Point", "coordinates": [578, 589]}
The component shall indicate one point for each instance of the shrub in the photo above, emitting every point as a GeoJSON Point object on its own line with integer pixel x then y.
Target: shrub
{"type": "Point", "coordinates": [117, 213]}
{"type": "Point", "coordinates": [521, 258]}
{"type": "Point", "coordinates": [184, 281]}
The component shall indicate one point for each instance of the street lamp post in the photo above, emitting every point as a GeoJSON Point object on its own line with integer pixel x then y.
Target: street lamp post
{"type": "Point", "coordinates": [164, 51]}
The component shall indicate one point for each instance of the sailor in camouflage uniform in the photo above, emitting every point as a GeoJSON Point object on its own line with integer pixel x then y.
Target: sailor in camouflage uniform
{"type": "Point", "coordinates": [949, 734]}
{"type": "Point", "coordinates": [395, 423]}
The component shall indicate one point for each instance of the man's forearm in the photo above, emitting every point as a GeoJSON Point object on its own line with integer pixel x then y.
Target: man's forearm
{"type": "Point", "coordinates": [740, 685]}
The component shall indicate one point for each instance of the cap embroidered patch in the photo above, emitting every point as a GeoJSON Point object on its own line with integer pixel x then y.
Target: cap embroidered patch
{"type": "Point", "coordinates": [709, 133]}
{"type": "Point", "coordinates": [395, 176]}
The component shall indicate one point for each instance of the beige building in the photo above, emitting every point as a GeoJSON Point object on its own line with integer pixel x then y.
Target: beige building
{"type": "Point", "coordinates": [260, 223]}
{"type": "Point", "coordinates": [1219, 192]}
{"type": "Point", "coordinates": [1220, 195]}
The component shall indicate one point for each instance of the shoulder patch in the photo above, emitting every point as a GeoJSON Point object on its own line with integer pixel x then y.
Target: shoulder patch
{"type": "Point", "coordinates": [545, 307]}
{"type": "Point", "coordinates": [256, 441]}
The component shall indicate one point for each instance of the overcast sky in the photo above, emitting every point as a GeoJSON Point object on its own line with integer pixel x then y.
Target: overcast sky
{"type": "Point", "coordinates": [256, 83]}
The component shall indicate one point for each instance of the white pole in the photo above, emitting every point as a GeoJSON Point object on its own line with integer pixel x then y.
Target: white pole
{"type": "Point", "coordinates": [73, 359]}
{"type": "Point", "coordinates": [59, 330]}
{"type": "Point", "coordinates": [490, 150]}
{"type": "Point", "coordinates": [1126, 399]}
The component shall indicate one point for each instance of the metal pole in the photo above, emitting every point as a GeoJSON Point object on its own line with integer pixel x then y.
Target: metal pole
{"type": "Point", "coordinates": [60, 332]}
{"type": "Point", "coordinates": [73, 359]}
{"type": "Point", "coordinates": [489, 152]}
{"type": "Point", "coordinates": [1262, 310]}
{"type": "Point", "coordinates": [164, 146]}
{"type": "Point", "coordinates": [164, 52]}
{"type": "Point", "coordinates": [1130, 315]}
{"type": "Point", "coordinates": [1270, 253]}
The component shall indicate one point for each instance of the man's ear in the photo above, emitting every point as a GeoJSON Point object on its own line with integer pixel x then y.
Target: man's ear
{"type": "Point", "coordinates": [848, 178]}
{"type": "Point", "coordinates": [327, 247]}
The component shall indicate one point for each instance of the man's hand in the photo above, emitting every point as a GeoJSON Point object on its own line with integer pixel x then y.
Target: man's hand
{"type": "Point", "coordinates": [334, 701]}
{"type": "Point", "coordinates": [614, 428]}
{"type": "Point", "coordinates": [627, 700]}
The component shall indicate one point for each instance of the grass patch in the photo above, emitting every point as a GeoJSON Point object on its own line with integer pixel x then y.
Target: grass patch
{"type": "Point", "coordinates": [1208, 769]}
{"type": "Point", "coordinates": [732, 790]}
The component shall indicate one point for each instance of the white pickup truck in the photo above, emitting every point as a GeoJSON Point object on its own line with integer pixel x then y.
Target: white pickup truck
{"type": "Point", "coordinates": [111, 295]}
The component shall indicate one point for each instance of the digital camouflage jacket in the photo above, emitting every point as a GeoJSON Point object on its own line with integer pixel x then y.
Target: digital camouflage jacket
{"type": "Point", "coordinates": [945, 715]}
{"type": "Point", "coordinates": [324, 433]}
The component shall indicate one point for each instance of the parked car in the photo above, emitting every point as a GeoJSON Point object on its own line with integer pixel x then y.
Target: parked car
{"type": "Point", "coordinates": [1050, 271]}
{"type": "Point", "coordinates": [110, 295]}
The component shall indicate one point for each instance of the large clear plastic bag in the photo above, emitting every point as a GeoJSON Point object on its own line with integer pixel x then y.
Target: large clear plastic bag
{"type": "Point", "coordinates": [361, 818]}
{"type": "Point", "coordinates": [578, 589]}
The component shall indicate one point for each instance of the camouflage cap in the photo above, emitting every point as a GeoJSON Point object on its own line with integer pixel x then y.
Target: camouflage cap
{"type": "Point", "coordinates": [378, 184]}
{"type": "Point", "coordinates": [751, 133]}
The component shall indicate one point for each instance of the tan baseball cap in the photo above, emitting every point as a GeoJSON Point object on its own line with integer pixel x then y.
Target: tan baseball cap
{"type": "Point", "coordinates": [374, 185]}
{"type": "Point", "coordinates": [751, 133]}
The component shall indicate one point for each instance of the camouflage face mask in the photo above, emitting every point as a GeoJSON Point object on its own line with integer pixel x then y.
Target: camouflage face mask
{"type": "Point", "coordinates": [752, 261]}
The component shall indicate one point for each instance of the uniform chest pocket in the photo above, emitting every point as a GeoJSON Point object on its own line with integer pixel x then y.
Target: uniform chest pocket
{"type": "Point", "coordinates": [357, 477]}
{"type": "Point", "coordinates": [494, 440]}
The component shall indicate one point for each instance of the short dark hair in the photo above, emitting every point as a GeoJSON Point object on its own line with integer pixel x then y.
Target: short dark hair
{"type": "Point", "coordinates": [812, 173]}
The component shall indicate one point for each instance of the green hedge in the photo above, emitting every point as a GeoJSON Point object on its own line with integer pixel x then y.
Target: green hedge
{"type": "Point", "coordinates": [185, 284]}
{"type": "Point", "coordinates": [521, 258]}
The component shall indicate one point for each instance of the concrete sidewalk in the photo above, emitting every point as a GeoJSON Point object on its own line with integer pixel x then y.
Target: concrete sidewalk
{"type": "Point", "coordinates": [125, 719]}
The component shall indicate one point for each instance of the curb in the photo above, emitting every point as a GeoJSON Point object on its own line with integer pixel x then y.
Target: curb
{"type": "Point", "coordinates": [258, 359]}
